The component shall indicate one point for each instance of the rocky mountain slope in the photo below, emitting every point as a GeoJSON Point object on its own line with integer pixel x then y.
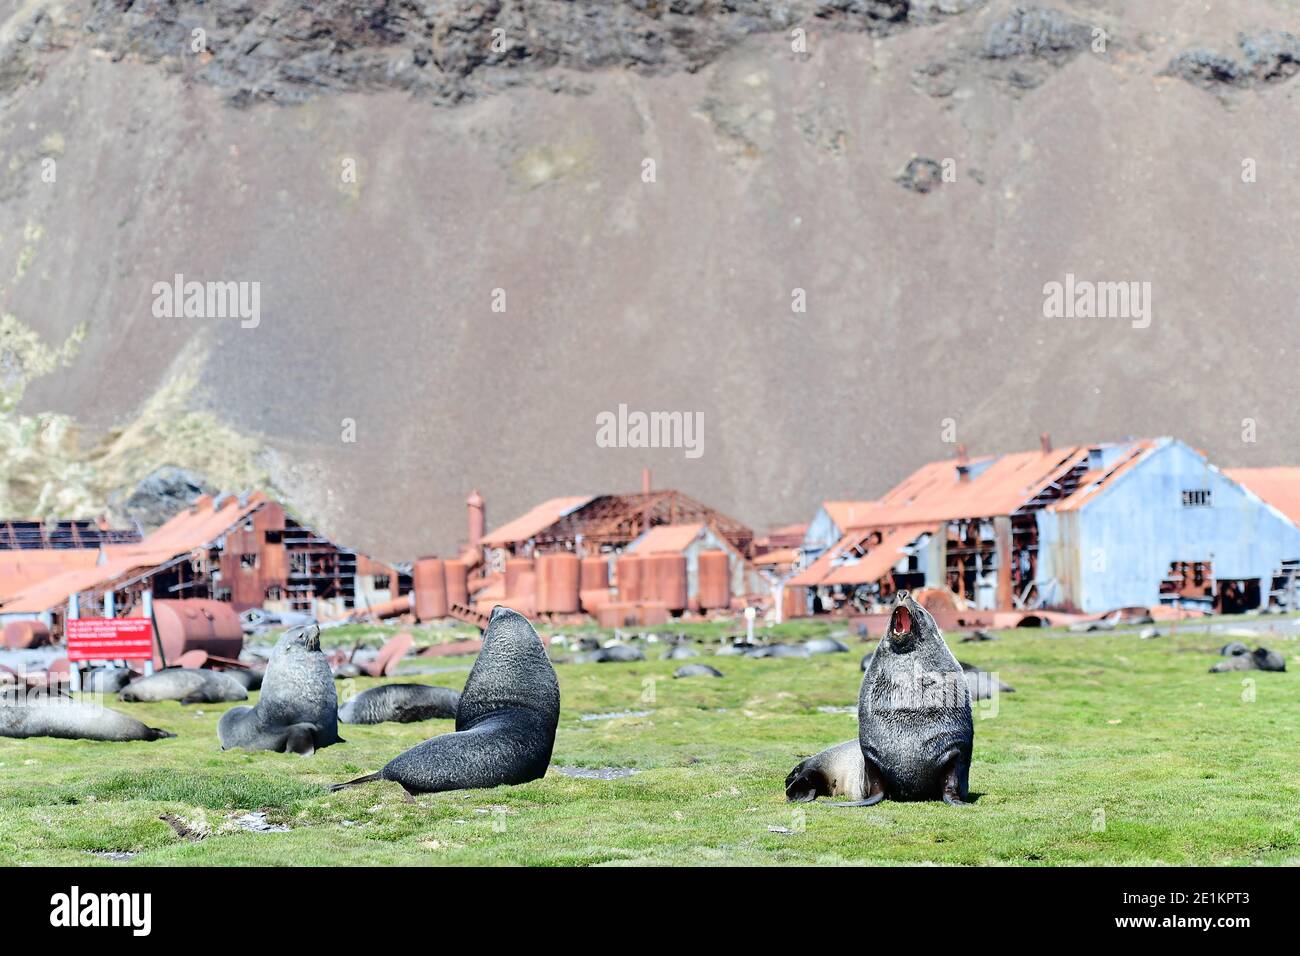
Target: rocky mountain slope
{"type": "Point", "coordinates": [915, 172]}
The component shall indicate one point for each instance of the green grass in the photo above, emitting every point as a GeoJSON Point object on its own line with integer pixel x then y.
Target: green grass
{"type": "Point", "coordinates": [1112, 750]}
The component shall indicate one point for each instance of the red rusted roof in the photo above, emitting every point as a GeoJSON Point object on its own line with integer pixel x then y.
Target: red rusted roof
{"type": "Point", "coordinates": [848, 514]}
{"type": "Point", "coordinates": [190, 530]}
{"type": "Point", "coordinates": [538, 519]}
{"type": "Point", "coordinates": [779, 556]}
{"type": "Point", "coordinates": [1279, 487]}
{"type": "Point", "coordinates": [19, 570]}
{"type": "Point", "coordinates": [667, 537]}
{"type": "Point", "coordinates": [862, 556]}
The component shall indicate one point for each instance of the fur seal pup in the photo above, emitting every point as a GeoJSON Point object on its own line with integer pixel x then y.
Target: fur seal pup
{"type": "Point", "coordinates": [697, 670]}
{"type": "Point", "coordinates": [297, 711]}
{"type": "Point", "coordinates": [1234, 649]}
{"type": "Point", "coordinates": [25, 715]}
{"type": "Point", "coordinates": [189, 685]}
{"type": "Point", "coordinates": [914, 714]}
{"type": "Point", "coordinates": [400, 703]}
{"type": "Point", "coordinates": [837, 771]}
{"type": "Point", "coordinates": [826, 645]}
{"type": "Point", "coordinates": [505, 724]}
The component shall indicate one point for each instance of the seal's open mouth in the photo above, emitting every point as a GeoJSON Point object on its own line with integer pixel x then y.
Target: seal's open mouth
{"type": "Point", "coordinates": [901, 622]}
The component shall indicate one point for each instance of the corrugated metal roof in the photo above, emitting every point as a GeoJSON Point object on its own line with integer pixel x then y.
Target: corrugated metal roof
{"type": "Point", "coordinates": [848, 514]}
{"type": "Point", "coordinates": [1094, 482]}
{"type": "Point", "coordinates": [841, 565]}
{"type": "Point", "coordinates": [19, 570]}
{"type": "Point", "coordinates": [190, 530]}
{"type": "Point", "coordinates": [1279, 487]}
{"type": "Point", "coordinates": [538, 519]}
{"type": "Point", "coordinates": [779, 556]}
{"type": "Point", "coordinates": [666, 537]}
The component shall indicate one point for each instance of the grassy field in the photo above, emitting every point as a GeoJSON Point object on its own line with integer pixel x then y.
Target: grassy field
{"type": "Point", "coordinates": [1113, 750]}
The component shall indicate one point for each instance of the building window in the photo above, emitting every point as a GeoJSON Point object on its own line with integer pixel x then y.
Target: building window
{"type": "Point", "coordinates": [1196, 498]}
{"type": "Point", "coordinates": [381, 582]}
{"type": "Point", "coordinates": [248, 561]}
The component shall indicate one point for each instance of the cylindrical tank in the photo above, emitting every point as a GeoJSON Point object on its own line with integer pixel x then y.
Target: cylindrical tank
{"type": "Point", "coordinates": [668, 571]}
{"type": "Point", "coordinates": [595, 573]}
{"type": "Point", "coordinates": [197, 624]}
{"type": "Point", "coordinates": [715, 580]}
{"type": "Point", "coordinates": [515, 569]}
{"type": "Point", "coordinates": [629, 572]}
{"type": "Point", "coordinates": [557, 583]}
{"type": "Point", "coordinates": [457, 575]}
{"type": "Point", "coordinates": [24, 634]}
{"type": "Point", "coordinates": [430, 586]}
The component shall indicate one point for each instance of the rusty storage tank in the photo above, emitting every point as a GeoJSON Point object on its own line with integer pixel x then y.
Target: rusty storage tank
{"type": "Point", "coordinates": [20, 635]}
{"type": "Point", "coordinates": [557, 583]}
{"type": "Point", "coordinates": [715, 580]}
{"type": "Point", "coordinates": [430, 587]}
{"type": "Point", "coordinates": [595, 573]}
{"type": "Point", "coordinates": [516, 568]}
{"type": "Point", "coordinates": [669, 574]}
{"type": "Point", "coordinates": [457, 576]}
{"type": "Point", "coordinates": [629, 570]}
{"type": "Point", "coordinates": [197, 624]}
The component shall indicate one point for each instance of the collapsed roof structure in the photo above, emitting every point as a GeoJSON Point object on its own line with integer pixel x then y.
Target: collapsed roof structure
{"type": "Point", "coordinates": [244, 550]}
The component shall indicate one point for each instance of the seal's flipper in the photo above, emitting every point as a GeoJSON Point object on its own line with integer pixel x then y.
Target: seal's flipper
{"type": "Point", "coordinates": [954, 781]}
{"type": "Point", "coordinates": [300, 739]}
{"type": "Point", "coordinates": [156, 733]}
{"type": "Point", "coordinates": [368, 778]}
{"type": "Point", "coordinates": [193, 699]}
{"type": "Point", "coordinates": [869, 802]}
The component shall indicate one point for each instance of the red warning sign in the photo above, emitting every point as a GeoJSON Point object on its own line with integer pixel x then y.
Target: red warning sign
{"type": "Point", "coordinates": [109, 639]}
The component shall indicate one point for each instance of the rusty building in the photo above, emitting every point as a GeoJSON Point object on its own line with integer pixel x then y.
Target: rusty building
{"type": "Point", "coordinates": [1086, 528]}
{"type": "Point", "coordinates": [245, 551]}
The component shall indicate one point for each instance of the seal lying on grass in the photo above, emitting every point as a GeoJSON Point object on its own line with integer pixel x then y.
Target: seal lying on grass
{"type": "Point", "coordinates": [400, 703]}
{"type": "Point", "coordinates": [189, 685]}
{"type": "Point", "coordinates": [505, 724]}
{"type": "Point", "coordinates": [297, 711]}
{"type": "Point", "coordinates": [25, 715]}
{"type": "Point", "coordinates": [1260, 659]}
{"type": "Point", "coordinates": [914, 716]}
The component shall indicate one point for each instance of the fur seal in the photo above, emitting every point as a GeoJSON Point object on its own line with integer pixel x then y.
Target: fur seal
{"type": "Point", "coordinates": [505, 724]}
{"type": "Point", "coordinates": [25, 715]}
{"type": "Point", "coordinates": [838, 771]}
{"type": "Point", "coordinates": [107, 680]}
{"type": "Point", "coordinates": [982, 684]}
{"type": "Point", "coordinates": [680, 653]}
{"type": "Point", "coordinates": [826, 645]}
{"type": "Point", "coordinates": [189, 685]}
{"type": "Point", "coordinates": [400, 703]}
{"type": "Point", "coordinates": [730, 650]}
{"type": "Point", "coordinates": [1260, 659]}
{"type": "Point", "coordinates": [779, 650]}
{"type": "Point", "coordinates": [249, 678]}
{"type": "Point", "coordinates": [615, 653]}
{"type": "Point", "coordinates": [1234, 649]}
{"type": "Point", "coordinates": [697, 670]}
{"type": "Point", "coordinates": [914, 713]}
{"type": "Point", "coordinates": [297, 711]}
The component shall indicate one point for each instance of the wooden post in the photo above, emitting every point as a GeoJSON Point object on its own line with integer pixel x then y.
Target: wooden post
{"type": "Point", "coordinates": [146, 599]}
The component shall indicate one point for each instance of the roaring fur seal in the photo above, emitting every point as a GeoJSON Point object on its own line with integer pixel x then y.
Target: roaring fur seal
{"type": "Point", "coordinates": [400, 703]}
{"type": "Point", "coordinates": [297, 711]}
{"type": "Point", "coordinates": [697, 670]}
{"type": "Point", "coordinates": [24, 715]}
{"type": "Point", "coordinates": [838, 771]}
{"type": "Point", "coordinates": [505, 724]}
{"type": "Point", "coordinates": [914, 713]}
{"type": "Point", "coordinates": [187, 684]}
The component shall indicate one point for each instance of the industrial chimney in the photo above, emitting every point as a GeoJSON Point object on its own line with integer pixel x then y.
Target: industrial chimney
{"type": "Point", "coordinates": [645, 481]}
{"type": "Point", "coordinates": [1046, 441]}
{"type": "Point", "coordinates": [477, 527]}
